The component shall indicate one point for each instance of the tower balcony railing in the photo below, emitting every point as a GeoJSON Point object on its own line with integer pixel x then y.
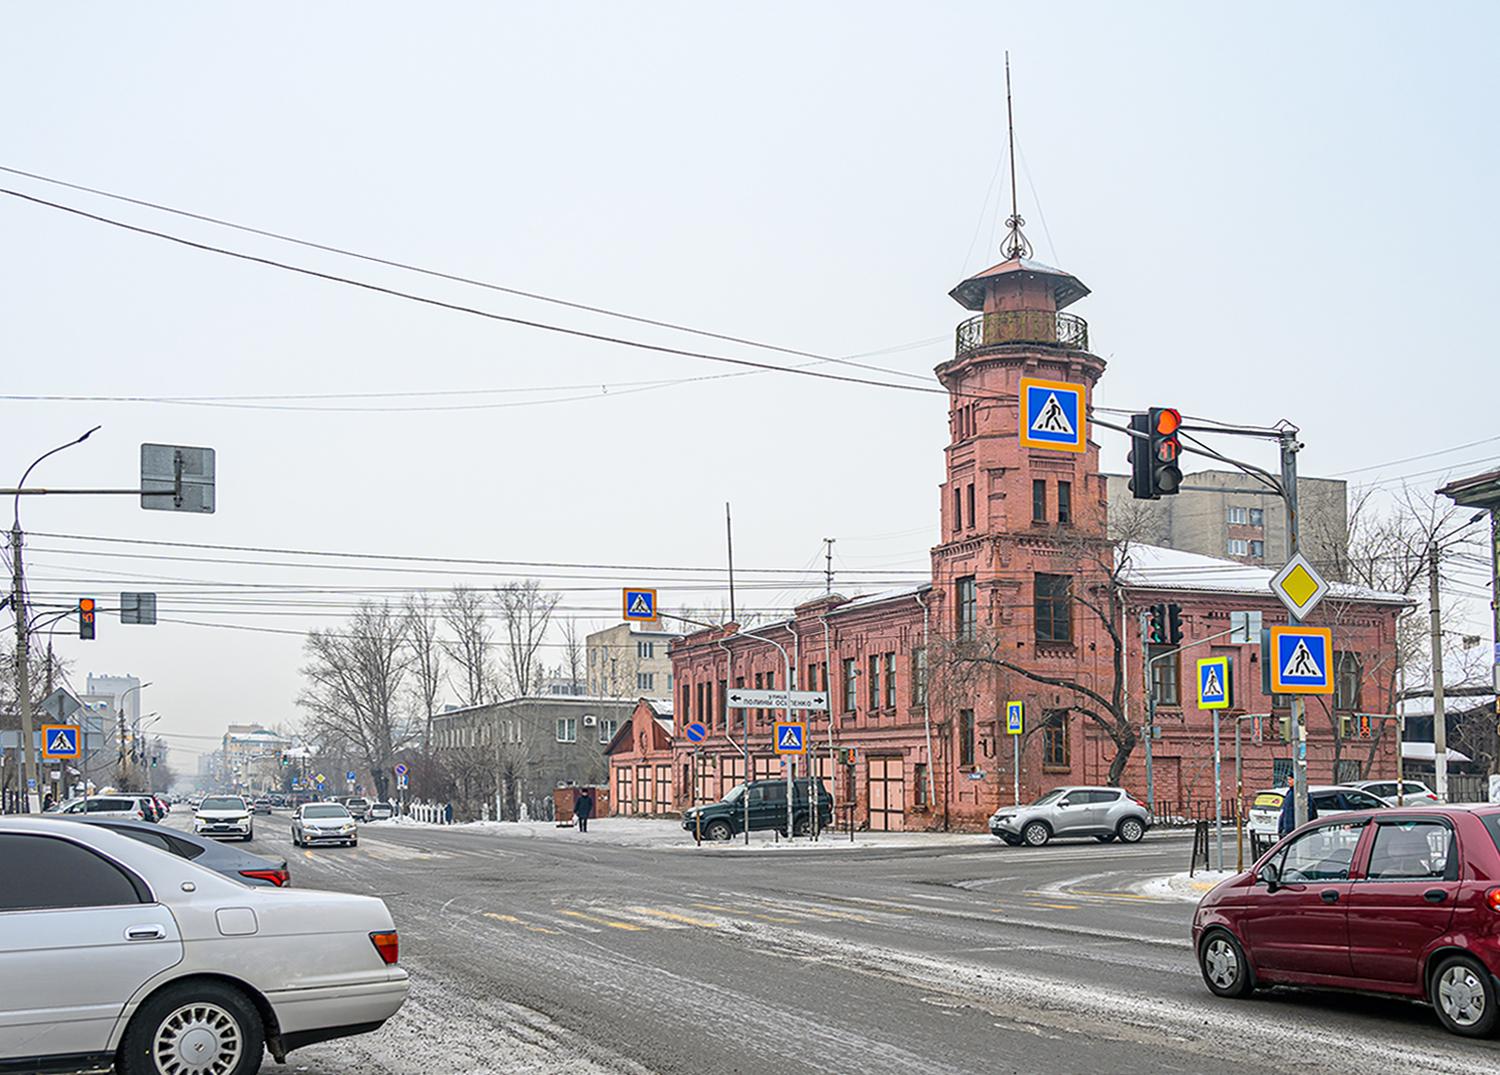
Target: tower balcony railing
{"type": "Point", "coordinates": [1022, 326]}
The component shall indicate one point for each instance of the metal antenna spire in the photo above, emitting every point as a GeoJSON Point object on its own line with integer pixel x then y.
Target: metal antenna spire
{"type": "Point", "coordinates": [1016, 245]}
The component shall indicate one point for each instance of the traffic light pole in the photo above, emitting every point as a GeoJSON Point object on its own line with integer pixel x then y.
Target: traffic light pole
{"type": "Point", "coordinates": [1150, 710]}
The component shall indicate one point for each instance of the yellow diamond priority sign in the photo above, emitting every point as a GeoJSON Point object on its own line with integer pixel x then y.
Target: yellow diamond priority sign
{"type": "Point", "coordinates": [1299, 586]}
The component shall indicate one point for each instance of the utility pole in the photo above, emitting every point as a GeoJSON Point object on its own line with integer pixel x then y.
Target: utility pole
{"type": "Point", "coordinates": [828, 565]}
{"type": "Point", "coordinates": [23, 668]}
{"type": "Point", "coordinates": [1289, 448]}
{"type": "Point", "coordinates": [729, 544]}
{"type": "Point", "coordinates": [1439, 713]}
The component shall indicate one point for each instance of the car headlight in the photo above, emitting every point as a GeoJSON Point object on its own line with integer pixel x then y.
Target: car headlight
{"type": "Point", "coordinates": [347, 828]}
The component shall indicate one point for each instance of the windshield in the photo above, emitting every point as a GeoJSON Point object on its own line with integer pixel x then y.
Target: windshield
{"type": "Point", "coordinates": [223, 802]}
{"type": "Point", "coordinates": [735, 794]}
{"type": "Point", "coordinates": [1051, 796]}
{"type": "Point", "coordinates": [324, 810]}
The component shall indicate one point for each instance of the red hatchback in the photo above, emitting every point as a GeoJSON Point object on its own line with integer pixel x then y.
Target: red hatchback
{"type": "Point", "coordinates": [1405, 902]}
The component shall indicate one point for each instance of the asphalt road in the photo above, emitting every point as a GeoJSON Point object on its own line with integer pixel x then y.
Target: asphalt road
{"type": "Point", "coordinates": [570, 953]}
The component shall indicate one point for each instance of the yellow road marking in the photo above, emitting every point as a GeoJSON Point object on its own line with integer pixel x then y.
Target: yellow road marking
{"type": "Point", "coordinates": [513, 920]}
{"type": "Point", "coordinates": [1057, 906]}
{"type": "Point", "coordinates": [746, 914]}
{"type": "Point", "coordinates": [835, 914]}
{"type": "Point", "coordinates": [1114, 895]}
{"type": "Point", "coordinates": [604, 921]}
{"type": "Point", "coordinates": [671, 917]}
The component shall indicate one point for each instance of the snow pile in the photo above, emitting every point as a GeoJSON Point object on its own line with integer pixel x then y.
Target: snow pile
{"type": "Point", "coordinates": [1182, 886]}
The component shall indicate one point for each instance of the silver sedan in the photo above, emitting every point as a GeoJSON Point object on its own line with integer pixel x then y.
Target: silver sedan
{"type": "Point", "coordinates": [1101, 812]}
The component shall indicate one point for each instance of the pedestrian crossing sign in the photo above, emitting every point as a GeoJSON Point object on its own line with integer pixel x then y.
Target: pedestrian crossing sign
{"type": "Point", "coordinates": [1301, 660]}
{"type": "Point", "coordinates": [60, 741]}
{"type": "Point", "coordinates": [640, 605]}
{"type": "Point", "coordinates": [791, 737]}
{"type": "Point", "coordinates": [1214, 690]}
{"type": "Point", "coordinates": [1054, 415]}
{"type": "Point", "coordinates": [1015, 717]}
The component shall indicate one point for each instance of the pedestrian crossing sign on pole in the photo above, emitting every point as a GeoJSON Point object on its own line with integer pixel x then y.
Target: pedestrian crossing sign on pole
{"type": "Point", "coordinates": [1015, 715]}
{"type": "Point", "coordinates": [1054, 414]}
{"type": "Point", "coordinates": [1214, 691]}
{"type": "Point", "coordinates": [60, 741]}
{"type": "Point", "coordinates": [640, 605]}
{"type": "Point", "coordinates": [1301, 660]}
{"type": "Point", "coordinates": [791, 737]}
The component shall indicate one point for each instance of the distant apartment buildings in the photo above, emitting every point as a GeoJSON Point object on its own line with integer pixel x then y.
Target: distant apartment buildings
{"type": "Point", "coordinates": [627, 661]}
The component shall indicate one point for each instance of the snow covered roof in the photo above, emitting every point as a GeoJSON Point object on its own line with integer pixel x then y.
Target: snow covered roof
{"type": "Point", "coordinates": [1426, 752]}
{"type": "Point", "coordinates": [1152, 567]}
{"type": "Point", "coordinates": [884, 595]}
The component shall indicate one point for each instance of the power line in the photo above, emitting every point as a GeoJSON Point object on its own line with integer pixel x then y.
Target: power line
{"type": "Point", "coordinates": [456, 307]}
{"type": "Point", "coordinates": [440, 275]}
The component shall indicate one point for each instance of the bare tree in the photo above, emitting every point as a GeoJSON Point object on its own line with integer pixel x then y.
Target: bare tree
{"type": "Point", "coordinates": [424, 645]}
{"type": "Point", "coordinates": [467, 615]}
{"type": "Point", "coordinates": [525, 611]}
{"type": "Point", "coordinates": [1387, 549]}
{"type": "Point", "coordinates": [573, 656]}
{"type": "Point", "coordinates": [353, 684]}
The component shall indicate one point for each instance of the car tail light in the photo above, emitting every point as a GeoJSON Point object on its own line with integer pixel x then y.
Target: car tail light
{"type": "Point", "coordinates": [1492, 897]}
{"type": "Point", "coordinates": [388, 945]}
{"type": "Point", "coordinates": [278, 878]}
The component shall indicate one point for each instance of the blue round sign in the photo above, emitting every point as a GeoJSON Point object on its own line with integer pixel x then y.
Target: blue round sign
{"type": "Point", "coordinates": [697, 732]}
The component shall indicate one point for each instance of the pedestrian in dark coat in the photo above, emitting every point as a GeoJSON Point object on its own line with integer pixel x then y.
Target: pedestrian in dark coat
{"type": "Point", "coordinates": [1288, 819]}
{"type": "Point", "coordinates": [583, 809]}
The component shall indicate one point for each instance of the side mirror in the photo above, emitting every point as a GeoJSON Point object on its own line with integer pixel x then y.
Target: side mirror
{"type": "Point", "coordinates": [1270, 873]}
{"type": "Point", "coordinates": [1064, 804]}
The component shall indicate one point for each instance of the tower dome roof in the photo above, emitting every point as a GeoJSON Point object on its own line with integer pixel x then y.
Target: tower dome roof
{"type": "Point", "coordinates": [1066, 288]}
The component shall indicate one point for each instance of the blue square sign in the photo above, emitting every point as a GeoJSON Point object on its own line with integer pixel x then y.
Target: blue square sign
{"type": "Point", "coordinates": [640, 605]}
{"type": "Point", "coordinates": [1053, 415]}
{"type": "Point", "coordinates": [1301, 660]}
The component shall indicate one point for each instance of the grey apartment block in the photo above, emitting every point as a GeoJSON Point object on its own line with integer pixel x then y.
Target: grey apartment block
{"type": "Point", "coordinates": [534, 744]}
{"type": "Point", "coordinates": [1234, 516]}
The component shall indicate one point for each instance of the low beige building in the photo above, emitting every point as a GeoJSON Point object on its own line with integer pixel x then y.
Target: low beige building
{"type": "Point", "coordinates": [628, 661]}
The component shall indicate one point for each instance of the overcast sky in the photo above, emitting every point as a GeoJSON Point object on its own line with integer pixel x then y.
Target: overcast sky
{"type": "Point", "coordinates": [1283, 212]}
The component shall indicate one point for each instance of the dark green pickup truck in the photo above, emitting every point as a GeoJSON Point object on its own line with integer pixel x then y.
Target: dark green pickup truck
{"type": "Point", "coordinates": [765, 802]}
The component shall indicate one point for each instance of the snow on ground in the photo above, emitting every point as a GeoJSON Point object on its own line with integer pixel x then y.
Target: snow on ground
{"type": "Point", "coordinates": [668, 833]}
{"type": "Point", "coordinates": [1182, 886]}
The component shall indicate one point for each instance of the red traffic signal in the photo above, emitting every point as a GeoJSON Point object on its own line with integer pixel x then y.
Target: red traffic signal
{"type": "Point", "coordinates": [86, 618]}
{"type": "Point", "coordinates": [1154, 450]}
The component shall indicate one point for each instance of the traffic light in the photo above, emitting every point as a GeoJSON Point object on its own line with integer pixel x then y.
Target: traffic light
{"type": "Point", "coordinates": [1154, 450]}
{"type": "Point", "coordinates": [285, 760]}
{"type": "Point", "coordinates": [1174, 625]}
{"type": "Point", "coordinates": [1156, 625]}
{"type": "Point", "coordinates": [86, 618]}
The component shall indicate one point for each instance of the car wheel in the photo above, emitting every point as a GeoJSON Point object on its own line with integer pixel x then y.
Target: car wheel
{"type": "Point", "coordinates": [1225, 969]}
{"type": "Point", "coordinates": [1131, 830]}
{"type": "Point", "coordinates": [801, 826]}
{"type": "Point", "coordinates": [354, 842]}
{"type": "Point", "coordinates": [1036, 834]}
{"type": "Point", "coordinates": [1105, 838]}
{"type": "Point", "coordinates": [203, 1027]}
{"type": "Point", "coordinates": [1463, 995]}
{"type": "Point", "coordinates": [719, 830]}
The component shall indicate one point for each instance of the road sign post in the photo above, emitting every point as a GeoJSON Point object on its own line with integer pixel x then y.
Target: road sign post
{"type": "Point", "coordinates": [1015, 722]}
{"type": "Point", "coordinates": [1215, 686]}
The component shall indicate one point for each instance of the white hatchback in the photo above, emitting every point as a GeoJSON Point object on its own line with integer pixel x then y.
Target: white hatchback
{"type": "Point", "coordinates": [114, 953]}
{"type": "Point", "coordinates": [1265, 808]}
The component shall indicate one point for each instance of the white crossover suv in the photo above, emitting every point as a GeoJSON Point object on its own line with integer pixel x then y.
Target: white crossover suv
{"type": "Point", "coordinates": [117, 954]}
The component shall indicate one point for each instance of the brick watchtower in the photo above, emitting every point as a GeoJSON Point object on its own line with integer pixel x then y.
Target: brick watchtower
{"type": "Point", "coordinates": [1023, 529]}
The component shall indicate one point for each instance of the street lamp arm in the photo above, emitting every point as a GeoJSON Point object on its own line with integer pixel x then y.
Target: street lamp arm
{"type": "Point", "coordinates": [22, 483]}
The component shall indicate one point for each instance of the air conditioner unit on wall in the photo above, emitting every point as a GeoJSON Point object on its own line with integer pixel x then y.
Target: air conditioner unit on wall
{"type": "Point", "coordinates": [588, 720]}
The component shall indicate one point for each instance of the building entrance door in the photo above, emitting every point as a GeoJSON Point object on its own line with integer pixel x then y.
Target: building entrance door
{"type": "Point", "coordinates": [887, 795]}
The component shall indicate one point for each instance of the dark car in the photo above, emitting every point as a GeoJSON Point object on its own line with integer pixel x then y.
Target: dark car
{"type": "Point", "coordinates": [219, 857]}
{"type": "Point", "coordinates": [1400, 901]}
{"type": "Point", "coordinates": [766, 802]}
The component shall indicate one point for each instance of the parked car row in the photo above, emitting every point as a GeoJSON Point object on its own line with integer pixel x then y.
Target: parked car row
{"type": "Point", "coordinates": [143, 806]}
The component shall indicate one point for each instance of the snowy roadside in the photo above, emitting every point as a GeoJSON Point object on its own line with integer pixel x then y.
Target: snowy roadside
{"type": "Point", "coordinates": [668, 834]}
{"type": "Point", "coordinates": [1181, 886]}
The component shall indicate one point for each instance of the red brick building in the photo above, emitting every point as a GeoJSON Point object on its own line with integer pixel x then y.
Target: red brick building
{"type": "Point", "coordinates": [640, 761]}
{"type": "Point", "coordinates": [1030, 600]}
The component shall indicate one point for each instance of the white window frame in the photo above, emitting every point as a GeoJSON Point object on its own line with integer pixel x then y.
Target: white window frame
{"type": "Point", "coordinates": [608, 726]}
{"type": "Point", "coordinates": [1239, 547]}
{"type": "Point", "coordinates": [567, 729]}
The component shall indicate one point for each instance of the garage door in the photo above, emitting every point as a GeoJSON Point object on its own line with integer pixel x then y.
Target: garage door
{"type": "Point", "coordinates": [887, 796]}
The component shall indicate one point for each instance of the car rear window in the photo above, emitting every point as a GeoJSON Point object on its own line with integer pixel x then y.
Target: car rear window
{"type": "Point", "coordinates": [1492, 823]}
{"type": "Point", "coordinates": [1269, 798]}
